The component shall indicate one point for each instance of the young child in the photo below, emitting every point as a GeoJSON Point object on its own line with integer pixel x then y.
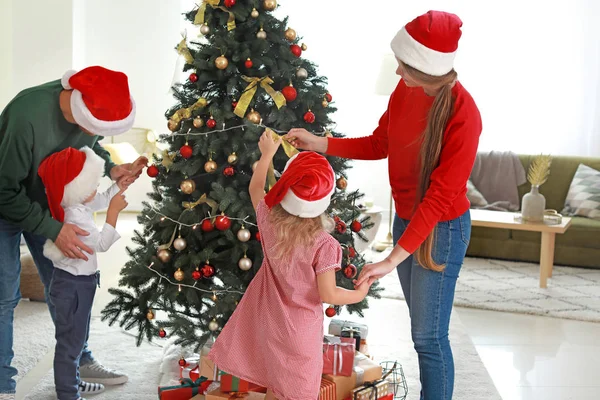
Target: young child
{"type": "Point", "coordinates": [71, 178]}
{"type": "Point", "coordinates": [275, 337]}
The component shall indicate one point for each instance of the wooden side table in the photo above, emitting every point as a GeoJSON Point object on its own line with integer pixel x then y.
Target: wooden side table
{"type": "Point", "coordinates": [508, 220]}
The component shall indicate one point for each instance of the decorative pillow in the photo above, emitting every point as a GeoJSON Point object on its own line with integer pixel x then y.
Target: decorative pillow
{"type": "Point", "coordinates": [584, 194]}
{"type": "Point", "coordinates": [475, 197]}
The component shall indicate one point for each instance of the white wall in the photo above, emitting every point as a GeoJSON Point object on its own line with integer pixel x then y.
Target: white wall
{"type": "Point", "coordinates": [5, 51]}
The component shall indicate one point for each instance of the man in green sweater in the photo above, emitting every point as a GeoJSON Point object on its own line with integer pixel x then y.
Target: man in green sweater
{"type": "Point", "coordinates": [76, 111]}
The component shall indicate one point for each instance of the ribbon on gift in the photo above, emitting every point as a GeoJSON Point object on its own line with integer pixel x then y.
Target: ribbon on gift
{"type": "Point", "coordinates": [237, 395]}
{"type": "Point", "coordinates": [188, 205]}
{"type": "Point", "coordinates": [371, 389]}
{"type": "Point", "coordinates": [372, 386]}
{"type": "Point", "coordinates": [185, 113]}
{"type": "Point", "coordinates": [183, 50]}
{"type": "Point", "coordinates": [250, 91]}
{"type": "Point", "coordinates": [198, 386]}
{"type": "Point", "coordinates": [289, 150]}
{"type": "Point", "coordinates": [199, 19]}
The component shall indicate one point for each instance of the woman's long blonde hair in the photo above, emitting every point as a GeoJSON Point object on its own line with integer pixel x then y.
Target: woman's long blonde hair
{"type": "Point", "coordinates": [293, 232]}
{"type": "Point", "coordinates": [431, 145]}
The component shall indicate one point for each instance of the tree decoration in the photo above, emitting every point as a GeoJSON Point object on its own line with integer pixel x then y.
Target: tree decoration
{"type": "Point", "coordinates": [204, 29]}
{"type": "Point", "coordinates": [210, 166]}
{"type": "Point", "coordinates": [182, 362]}
{"type": "Point", "coordinates": [244, 234]}
{"type": "Point", "coordinates": [188, 186]}
{"type": "Point", "coordinates": [180, 244]}
{"type": "Point", "coordinates": [270, 5]}
{"type": "Point", "coordinates": [356, 226]}
{"type": "Point", "coordinates": [179, 275]}
{"type": "Point", "coordinates": [296, 50]}
{"type": "Point", "coordinates": [261, 34]}
{"type": "Point", "coordinates": [304, 47]}
{"type": "Point", "coordinates": [290, 93]}
{"type": "Point", "coordinates": [213, 325]}
{"type": "Point", "coordinates": [150, 315]}
{"type": "Point", "coordinates": [328, 97]}
{"type": "Point", "coordinates": [290, 34]}
{"type": "Point", "coordinates": [254, 117]}
{"type": "Point", "coordinates": [248, 63]}
{"type": "Point", "coordinates": [193, 78]}
{"type": "Point", "coordinates": [229, 171]}
{"type": "Point", "coordinates": [173, 125]}
{"type": "Point", "coordinates": [222, 223]}
{"type": "Point", "coordinates": [186, 150]}
{"type": "Point", "coordinates": [341, 183]}
{"type": "Point", "coordinates": [232, 158]}
{"type": "Point", "coordinates": [330, 312]}
{"type": "Point", "coordinates": [309, 117]}
{"type": "Point", "coordinates": [221, 62]}
{"type": "Point", "coordinates": [198, 122]}
{"type": "Point", "coordinates": [196, 274]}
{"type": "Point", "coordinates": [245, 263]}
{"type": "Point", "coordinates": [254, 14]}
{"type": "Point", "coordinates": [207, 226]}
{"type": "Point", "coordinates": [211, 123]}
{"type": "Point", "coordinates": [230, 3]}
{"type": "Point", "coordinates": [162, 333]}
{"type": "Point", "coordinates": [350, 271]}
{"type": "Point", "coordinates": [208, 271]}
{"type": "Point", "coordinates": [301, 73]}
{"type": "Point", "coordinates": [152, 171]}
{"type": "Point", "coordinates": [164, 255]}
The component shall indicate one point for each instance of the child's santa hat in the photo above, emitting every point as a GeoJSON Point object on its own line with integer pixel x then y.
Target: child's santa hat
{"type": "Point", "coordinates": [101, 102]}
{"type": "Point", "coordinates": [305, 187]}
{"type": "Point", "coordinates": [70, 176]}
{"type": "Point", "coordinates": [429, 42]}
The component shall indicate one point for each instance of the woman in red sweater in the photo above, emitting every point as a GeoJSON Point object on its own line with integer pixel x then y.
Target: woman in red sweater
{"type": "Point", "coordinates": [429, 133]}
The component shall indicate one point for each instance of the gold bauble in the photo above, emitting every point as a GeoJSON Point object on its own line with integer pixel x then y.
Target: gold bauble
{"type": "Point", "coordinates": [164, 255]}
{"type": "Point", "coordinates": [198, 122]}
{"type": "Point", "coordinates": [179, 275]}
{"type": "Point", "coordinates": [188, 186]}
{"type": "Point", "coordinates": [304, 47]}
{"type": "Point", "coordinates": [221, 62]}
{"type": "Point", "coordinates": [254, 13]}
{"type": "Point", "coordinates": [149, 315]}
{"type": "Point", "coordinates": [342, 183]}
{"type": "Point", "coordinates": [261, 34]}
{"type": "Point", "coordinates": [232, 158]}
{"type": "Point", "coordinates": [210, 166]}
{"type": "Point", "coordinates": [270, 5]}
{"type": "Point", "coordinates": [173, 125]}
{"type": "Point", "coordinates": [213, 325]}
{"type": "Point", "coordinates": [290, 34]}
{"type": "Point", "coordinates": [324, 103]}
{"type": "Point", "coordinates": [185, 113]}
{"type": "Point", "coordinates": [254, 117]}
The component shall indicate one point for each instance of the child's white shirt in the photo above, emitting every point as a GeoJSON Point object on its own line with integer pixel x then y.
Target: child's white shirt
{"type": "Point", "coordinates": [82, 215]}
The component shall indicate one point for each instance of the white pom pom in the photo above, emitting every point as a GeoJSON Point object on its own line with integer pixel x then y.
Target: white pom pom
{"type": "Point", "coordinates": [65, 79]}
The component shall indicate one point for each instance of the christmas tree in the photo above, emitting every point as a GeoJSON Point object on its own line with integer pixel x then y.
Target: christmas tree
{"type": "Point", "coordinates": [200, 247]}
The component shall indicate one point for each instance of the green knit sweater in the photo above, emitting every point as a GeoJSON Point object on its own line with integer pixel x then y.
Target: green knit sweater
{"type": "Point", "coordinates": [32, 127]}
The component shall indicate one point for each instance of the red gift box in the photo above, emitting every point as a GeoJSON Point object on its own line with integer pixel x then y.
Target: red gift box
{"type": "Point", "coordinates": [338, 356]}
{"type": "Point", "coordinates": [185, 391]}
{"type": "Point", "coordinates": [230, 383]}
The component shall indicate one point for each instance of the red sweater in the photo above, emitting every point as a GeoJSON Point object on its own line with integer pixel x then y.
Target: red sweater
{"type": "Point", "coordinates": [398, 138]}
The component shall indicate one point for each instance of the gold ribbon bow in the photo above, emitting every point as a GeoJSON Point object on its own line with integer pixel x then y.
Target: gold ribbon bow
{"type": "Point", "coordinates": [167, 159]}
{"type": "Point", "coordinates": [185, 113]}
{"type": "Point", "coordinates": [250, 91]}
{"type": "Point", "coordinates": [289, 150]}
{"type": "Point", "coordinates": [183, 50]}
{"type": "Point", "coordinates": [188, 205]}
{"type": "Point", "coordinates": [199, 19]}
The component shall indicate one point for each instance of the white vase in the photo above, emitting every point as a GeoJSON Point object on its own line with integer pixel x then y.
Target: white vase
{"type": "Point", "coordinates": [533, 205]}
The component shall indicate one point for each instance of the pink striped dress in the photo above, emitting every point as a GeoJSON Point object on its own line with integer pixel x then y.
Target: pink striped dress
{"type": "Point", "coordinates": [275, 336]}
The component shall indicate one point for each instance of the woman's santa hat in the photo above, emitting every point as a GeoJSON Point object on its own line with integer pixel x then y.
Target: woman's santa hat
{"type": "Point", "coordinates": [429, 42]}
{"type": "Point", "coordinates": [70, 177]}
{"type": "Point", "coordinates": [101, 102]}
{"type": "Point", "coordinates": [305, 187]}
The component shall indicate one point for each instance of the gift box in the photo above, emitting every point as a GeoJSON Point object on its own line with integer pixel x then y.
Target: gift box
{"type": "Point", "coordinates": [338, 355]}
{"type": "Point", "coordinates": [185, 391]}
{"type": "Point", "coordinates": [352, 333]}
{"type": "Point", "coordinates": [372, 390]}
{"type": "Point", "coordinates": [219, 395]}
{"type": "Point", "coordinates": [327, 391]}
{"type": "Point", "coordinates": [208, 369]}
{"type": "Point", "coordinates": [336, 326]}
{"type": "Point", "coordinates": [230, 383]}
{"type": "Point", "coordinates": [364, 370]}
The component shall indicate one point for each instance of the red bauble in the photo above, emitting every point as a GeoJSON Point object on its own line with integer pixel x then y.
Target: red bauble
{"type": "Point", "coordinates": [234, 104]}
{"type": "Point", "coordinates": [309, 117]}
{"type": "Point", "coordinates": [211, 123]}
{"type": "Point", "coordinates": [356, 226]}
{"type": "Point", "coordinates": [162, 333]}
{"type": "Point", "coordinates": [229, 171]}
{"type": "Point", "coordinates": [152, 171]}
{"type": "Point", "coordinates": [336, 219]}
{"type": "Point", "coordinates": [330, 312]}
{"type": "Point", "coordinates": [186, 151]}
{"type": "Point", "coordinates": [290, 93]}
{"type": "Point", "coordinates": [182, 362]}
{"type": "Point", "coordinates": [340, 227]}
{"type": "Point", "coordinates": [248, 64]}
{"type": "Point", "coordinates": [328, 97]}
{"type": "Point", "coordinates": [207, 226]}
{"type": "Point", "coordinates": [296, 50]}
{"type": "Point", "coordinates": [196, 275]}
{"type": "Point", "coordinates": [229, 3]}
{"type": "Point", "coordinates": [208, 270]}
{"type": "Point", "coordinates": [222, 223]}
{"type": "Point", "coordinates": [193, 78]}
{"type": "Point", "coordinates": [351, 252]}
{"type": "Point", "coordinates": [350, 271]}
{"type": "Point", "coordinates": [258, 236]}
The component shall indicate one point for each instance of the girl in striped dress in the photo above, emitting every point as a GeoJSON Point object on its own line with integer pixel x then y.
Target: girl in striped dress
{"type": "Point", "coordinates": [275, 337]}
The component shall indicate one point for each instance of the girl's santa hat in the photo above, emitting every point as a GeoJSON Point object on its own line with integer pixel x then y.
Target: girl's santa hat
{"type": "Point", "coordinates": [101, 102]}
{"type": "Point", "coordinates": [305, 187]}
{"type": "Point", "coordinates": [429, 42]}
{"type": "Point", "coordinates": [70, 176]}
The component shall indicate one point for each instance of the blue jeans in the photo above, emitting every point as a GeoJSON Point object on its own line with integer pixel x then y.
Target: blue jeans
{"type": "Point", "coordinates": [10, 273]}
{"type": "Point", "coordinates": [429, 296]}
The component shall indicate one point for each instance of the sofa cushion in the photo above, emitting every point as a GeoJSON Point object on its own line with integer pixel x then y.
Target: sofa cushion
{"type": "Point", "coordinates": [583, 198]}
{"type": "Point", "coordinates": [583, 232]}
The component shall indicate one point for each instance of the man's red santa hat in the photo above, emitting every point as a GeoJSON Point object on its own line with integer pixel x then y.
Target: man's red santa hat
{"type": "Point", "coordinates": [101, 102]}
{"type": "Point", "coordinates": [305, 187]}
{"type": "Point", "coordinates": [429, 42]}
{"type": "Point", "coordinates": [70, 177]}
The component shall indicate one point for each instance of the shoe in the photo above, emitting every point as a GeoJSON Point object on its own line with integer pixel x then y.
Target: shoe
{"type": "Point", "coordinates": [98, 373]}
{"type": "Point", "coordinates": [90, 388]}
{"type": "Point", "coordinates": [7, 396]}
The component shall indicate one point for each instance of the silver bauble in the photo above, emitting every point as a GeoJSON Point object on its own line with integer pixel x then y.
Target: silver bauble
{"type": "Point", "coordinates": [204, 29]}
{"type": "Point", "coordinates": [245, 263]}
{"type": "Point", "coordinates": [180, 244]}
{"type": "Point", "coordinates": [244, 235]}
{"type": "Point", "coordinates": [301, 73]}
{"type": "Point", "coordinates": [261, 34]}
{"type": "Point", "coordinates": [213, 325]}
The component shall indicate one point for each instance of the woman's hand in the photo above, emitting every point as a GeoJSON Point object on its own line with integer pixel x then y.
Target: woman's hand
{"type": "Point", "coordinates": [268, 147]}
{"type": "Point", "coordinates": [372, 272]}
{"type": "Point", "coordinates": [303, 139]}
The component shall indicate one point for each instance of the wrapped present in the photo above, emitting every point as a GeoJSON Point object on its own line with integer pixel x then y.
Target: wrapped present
{"type": "Point", "coordinates": [191, 369]}
{"type": "Point", "coordinates": [364, 370]}
{"type": "Point", "coordinates": [230, 383]}
{"type": "Point", "coordinates": [218, 395]}
{"type": "Point", "coordinates": [336, 326]}
{"type": "Point", "coordinates": [353, 333]}
{"type": "Point", "coordinates": [338, 355]}
{"type": "Point", "coordinates": [208, 369]}
{"type": "Point", "coordinates": [185, 391]}
{"type": "Point", "coordinates": [327, 391]}
{"type": "Point", "coordinates": [372, 390]}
